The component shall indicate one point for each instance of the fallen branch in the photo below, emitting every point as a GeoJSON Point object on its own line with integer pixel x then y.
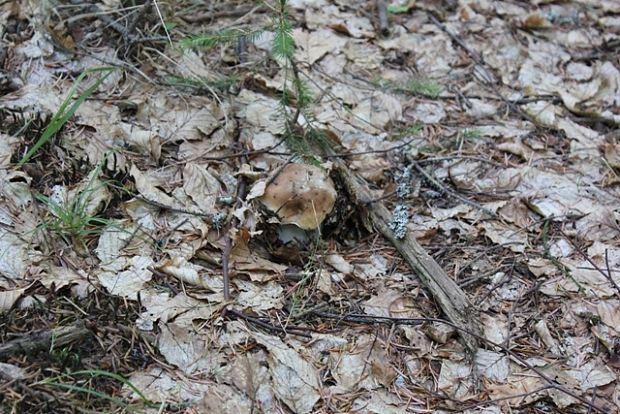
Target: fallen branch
{"type": "Point", "coordinates": [449, 296]}
{"type": "Point", "coordinates": [41, 340]}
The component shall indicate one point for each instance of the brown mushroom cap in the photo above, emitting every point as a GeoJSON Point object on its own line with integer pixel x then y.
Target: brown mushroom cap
{"type": "Point", "coordinates": [302, 195]}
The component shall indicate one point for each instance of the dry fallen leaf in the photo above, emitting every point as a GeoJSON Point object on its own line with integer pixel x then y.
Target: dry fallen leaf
{"type": "Point", "coordinates": [295, 380]}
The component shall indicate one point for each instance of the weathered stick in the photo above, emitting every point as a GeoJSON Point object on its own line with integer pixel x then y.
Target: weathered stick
{"type": "Point", "coordinates": [450, 297]}
{"type": "Point", "coordinates": [43, 339]}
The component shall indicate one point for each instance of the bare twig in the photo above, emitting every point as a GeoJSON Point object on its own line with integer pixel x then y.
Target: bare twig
{"type": "Point", "coordinates": [441, 187]}
{"type": "Point", "coordinates": [226, 268]}
{"type": "Point", "coordinates": [241, 189]}
{"type": "Point", "coordinates": [268, 326]}
{"type": "Point", "coordinates": [450, 297]}
{"type": "Point", "coordinates": [459, 157]}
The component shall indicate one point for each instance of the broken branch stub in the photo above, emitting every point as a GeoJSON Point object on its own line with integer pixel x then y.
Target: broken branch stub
{"type": "Point", "coordinates": [300, 194]}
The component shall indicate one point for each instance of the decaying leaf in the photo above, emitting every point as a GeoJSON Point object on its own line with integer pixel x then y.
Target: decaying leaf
{"type": "Point", "coordinates": [295, 381]}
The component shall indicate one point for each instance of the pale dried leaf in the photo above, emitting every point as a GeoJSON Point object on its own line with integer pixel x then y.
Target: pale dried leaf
{"type": "Point", "coordinates": [126, 276]}
{"type": "Point", "coordinates": [312, 46]}
{"type": "Point", "coordinates": [455, 379]}
{"type": "Point", "coordinates": [202, 187]}
{"type": "Point", "coordinates": [295, 381]}
{"type": "Point", "coordinates": [380, 402]}
{"type": "Point", "coordinates": [492, 365]}
{"type": "Point", "coordinates": [339, 263]}
{"type": "Point", "coordinates": [157, 385]}
{"type": "Point", "coordinates": [12, 372]}
{"type": "Point", "coordinates": [245, 261]}
{"type": "Point", "coordinates": [523, 388]}
{"type": "Point", "coordinates": [187, 349]}
{"type": "Point", "coordinates": [14, 256]}
{"type": "Point", "coordinates": [506, 235]}
{"type": "Point", "coordinates": [114, 238]}
{"type": "Point", "coordinates": [263, 297]}
{"type": "Point", "coordinates": [9, 297]}
{"type": "Point", "coordinates": [609, 312]}
{"type": "Point", "coordinates": [147, 187]}
{"type": "Point", "coordinates": [191, 273]}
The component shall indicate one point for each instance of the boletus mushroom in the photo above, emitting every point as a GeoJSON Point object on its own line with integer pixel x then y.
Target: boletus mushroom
{"type": "Point", "coordinates": [300, 194]}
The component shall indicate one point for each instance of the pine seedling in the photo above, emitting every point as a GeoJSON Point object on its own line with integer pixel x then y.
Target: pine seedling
{"type": "Point", "coordinates": [295, 92]}
{"type": "Point", "coordinates": [223, 38]}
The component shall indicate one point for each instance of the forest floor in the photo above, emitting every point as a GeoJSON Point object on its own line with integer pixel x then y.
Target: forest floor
{"type": "Point", "coordinates": [141, 272]}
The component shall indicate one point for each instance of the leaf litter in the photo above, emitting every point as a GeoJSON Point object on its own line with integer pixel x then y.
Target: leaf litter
{"type": "Point", "coordinates": [509, 106]}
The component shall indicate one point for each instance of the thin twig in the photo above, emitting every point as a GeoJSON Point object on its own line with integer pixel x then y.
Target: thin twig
{"type": "Point", "coordinates": [226, 268]}
{"type": "Point", "coordinates": [459, 157]}
{"type": "Point", "coordinates": [607, 275]}
{"type": "Point", "coordinates": [163, 23]}
{"type": "Point", "coordinates": [268, 326]}
{"type": "Point", "coordinates": [241, 154]}
{"type": "Point", "coordinates": [234, 221]}
{"type": "Point", "coordinates": [441, 187]}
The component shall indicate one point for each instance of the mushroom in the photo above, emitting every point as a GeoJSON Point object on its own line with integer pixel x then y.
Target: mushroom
{"type": "Point", "coordinates": [300, 194]}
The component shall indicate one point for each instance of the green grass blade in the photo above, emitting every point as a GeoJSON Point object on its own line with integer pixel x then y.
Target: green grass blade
{"type": "Point", "coordinates": [89, 391]}
{"type": "Point", "coordinates": [63, 114]}
{"type": "Point", "coordinates": [119, 378]}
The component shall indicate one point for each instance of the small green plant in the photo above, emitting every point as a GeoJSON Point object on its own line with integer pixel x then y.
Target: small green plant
{"type": "Point", "coordinates": [425, 87]}
{"type": "Point", "coordinates": [411, 130]}
{"type": "Point", "coordinates": [397, 9]}
{"type": "Point", "coordinates": [64, 357]}
{"type": "Point", "coordinates": [470, 134]}
{"type": "Point", "coordinates": [73, 220]}
{"type": "Point", "coordinates": [67, 109]}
